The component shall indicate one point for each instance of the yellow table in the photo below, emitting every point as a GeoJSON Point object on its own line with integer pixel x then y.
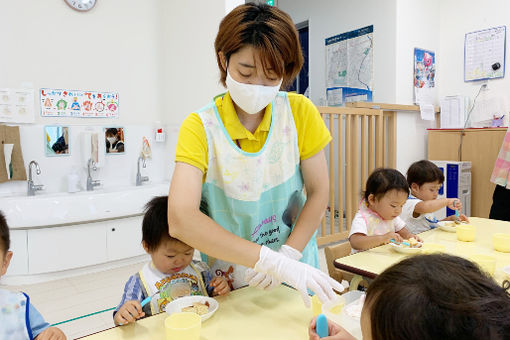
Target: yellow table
{"type": "Point", "coordinates": [372, 262]}
{"type": "Point", "coordinates": [246, 313]}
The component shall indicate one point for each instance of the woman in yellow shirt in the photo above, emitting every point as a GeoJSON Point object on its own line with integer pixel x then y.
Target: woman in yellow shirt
{"type": "Point", "coordinates": [244, 161]}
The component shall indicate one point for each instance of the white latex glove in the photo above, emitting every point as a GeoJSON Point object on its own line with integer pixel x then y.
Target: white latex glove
{"type": "Point", "coordinates": [299, 275]}
{"type": "Point", "coordinates": [266, 281]}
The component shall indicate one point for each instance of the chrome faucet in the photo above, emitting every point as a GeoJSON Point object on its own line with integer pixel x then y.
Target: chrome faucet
{"type": "Point", "coordinates": [32, 188]}
{"type": "Point", "coordinates": [90, 182]}
{"type": "Point", "coordinates": [139, 178]}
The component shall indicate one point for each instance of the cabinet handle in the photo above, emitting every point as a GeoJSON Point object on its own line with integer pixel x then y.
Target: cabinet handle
{"type": "Point", "coordinates": [113, 229]}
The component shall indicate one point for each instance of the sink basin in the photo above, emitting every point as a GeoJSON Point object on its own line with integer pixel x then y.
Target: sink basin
{"type": "Point", "coordinates": [64, 208]}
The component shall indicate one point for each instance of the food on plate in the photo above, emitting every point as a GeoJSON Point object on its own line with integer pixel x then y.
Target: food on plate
{"type": "Point", "coordinates": [197, 307]}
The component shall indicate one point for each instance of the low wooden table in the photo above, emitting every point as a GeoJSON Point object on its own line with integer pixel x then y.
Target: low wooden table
{"type": "Point", "coordinates": [374, 261]}
{"type": "Point", "coordinates": [246, 313]}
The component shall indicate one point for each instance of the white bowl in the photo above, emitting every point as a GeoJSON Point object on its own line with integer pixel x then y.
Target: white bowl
{"type": "Point", "coordinates": [506, 271]}
{"type": "Point", "coordinates": [405, 250]}
{"type": "Point", "coordinates": [447, 226]}
{"type": "Point", "coordinates": [177, 305]}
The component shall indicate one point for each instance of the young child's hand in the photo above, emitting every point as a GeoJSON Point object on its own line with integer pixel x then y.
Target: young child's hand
{"type": "Point", "coordinates": [52, 333]}
{"type": "Point", "coordinates": [220, 285]}
{"type": "Point", "coordinates": [129, 312]}
{"type": "Point", "coordinates": [417, 238]}
{"type": "Point", "coordinates": [336, 332]}
{"type": "Point", "coordinates": [454, 204]}
{"type": "Point", "coordinates": [392, 235]}
{"type": "Point", "coordinates": [463, 218]}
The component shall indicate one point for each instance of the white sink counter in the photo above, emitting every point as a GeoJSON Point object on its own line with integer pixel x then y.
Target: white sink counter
{"type": "Point", "coordinates": [26, 212]}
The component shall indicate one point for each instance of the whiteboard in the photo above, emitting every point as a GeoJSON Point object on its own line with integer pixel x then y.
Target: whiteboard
{"type": "Point", "coordinates": [482, 49]}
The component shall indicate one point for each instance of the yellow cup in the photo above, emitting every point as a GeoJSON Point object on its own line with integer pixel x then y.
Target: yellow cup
{"type": "Point", "coordinates": [316, 305]}
{"type": "Point", "coordinates": [183, 326]}
{"type": "Point", "coordinates": [501, 242]}
{"type": "Point", "coordinates": [335, 308]}
{"type": "Point", "coordinates": [431, 248]}
{"type": "Point", "coordinates": [486, 262]}
{"type": "Point", "coordinates": [465, 232]}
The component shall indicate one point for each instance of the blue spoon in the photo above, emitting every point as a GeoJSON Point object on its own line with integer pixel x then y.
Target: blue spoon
{"type": "Point", "coordinates": [321, 326]}
{"type": "Point", "coordinates": [457, 213]}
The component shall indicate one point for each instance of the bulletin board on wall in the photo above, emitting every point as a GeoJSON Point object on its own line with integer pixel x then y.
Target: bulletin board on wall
{"type": "Point", "coordinates": [484, 54]}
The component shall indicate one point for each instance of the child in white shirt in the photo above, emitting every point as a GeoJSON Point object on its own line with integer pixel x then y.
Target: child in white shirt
{"type": "Point", "coordinates": [377, 221]}
{"type": "Point", "coordinates": [425, 179]}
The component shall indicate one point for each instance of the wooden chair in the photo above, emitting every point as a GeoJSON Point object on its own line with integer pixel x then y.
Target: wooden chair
{"type": "Point", "coordinates": [334, 252]}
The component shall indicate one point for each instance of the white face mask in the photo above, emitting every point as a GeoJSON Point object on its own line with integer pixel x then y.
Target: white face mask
{"type": "Point", "coordinates": [112, 140]}
{"type": "Point", "coordinates": [251, 98]}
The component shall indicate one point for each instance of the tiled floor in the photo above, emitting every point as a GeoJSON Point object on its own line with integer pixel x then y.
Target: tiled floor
{"type": "Point", "coordinates": [70, 298]}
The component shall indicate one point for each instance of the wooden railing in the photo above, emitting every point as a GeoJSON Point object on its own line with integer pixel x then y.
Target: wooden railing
{"type": "Point", "coordinates": [363, 139]}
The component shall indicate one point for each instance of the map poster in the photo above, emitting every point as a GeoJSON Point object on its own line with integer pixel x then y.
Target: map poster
{"type": "Point", "coordinates": [349, 59]}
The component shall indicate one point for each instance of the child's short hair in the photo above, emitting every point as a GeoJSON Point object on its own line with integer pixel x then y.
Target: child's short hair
{"type": "Point", "coordinates": [5, 241]}
{"type": "Point", "coordinates": [437, 296]}
{"type": "Point", "coordinates": [155, 223]}
{"type": "Point", "coordinates": [424, 171]}
{"type": "Point", "coordinates": [383, 180]}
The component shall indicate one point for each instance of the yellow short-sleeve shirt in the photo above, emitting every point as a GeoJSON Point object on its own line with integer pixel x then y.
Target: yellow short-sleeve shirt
{"type": "Point", "coordinates": [312, 133]}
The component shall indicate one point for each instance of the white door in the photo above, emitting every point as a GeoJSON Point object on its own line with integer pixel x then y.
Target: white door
{"type": "Point", "coordinates": [124, 238]}
{"type": "Point", "coordinates": [61, 248]}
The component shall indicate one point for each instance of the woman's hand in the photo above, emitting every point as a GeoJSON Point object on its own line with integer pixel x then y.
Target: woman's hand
{"type": "Point", "coordinates": [299, 275]}
{"type": "Point", "coordinates": [129, 313]}
{"type": "Point", "coordinates": [335, 331]}
{"type": "Point", "coordinates": [52, 333]}
{"type": "Point", "coordinates": [220, 285]}
{"type": "Point", "coordinates": [268, 282]}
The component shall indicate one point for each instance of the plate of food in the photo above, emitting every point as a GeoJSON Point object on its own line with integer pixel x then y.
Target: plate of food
{"type": "Point", "coordinates": [202, 305]}
{"type": "Point", "coordinates": [449, 226]}
{"type": "Point", "coordinates": [411, 246]}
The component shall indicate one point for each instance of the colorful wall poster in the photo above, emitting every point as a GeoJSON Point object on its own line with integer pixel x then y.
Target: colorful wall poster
{"type": "Point", "coordinates": [78, 103]}
{"type": "Point", "coordinates": [424, 76]}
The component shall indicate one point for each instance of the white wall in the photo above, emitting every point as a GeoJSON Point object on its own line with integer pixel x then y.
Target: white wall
{"type": "Point", "coordinates": [327, 18]}
{"type": "Point", "coordinates": [114, 47]}
{"type": "Point", "coordinates": [189, 69]}
{"type": "Point", "coordinates": [456, 20]}
{"type": "Point", "coordinates": [158, 55]}
{"type": "Point", "coordinates": [417, 26]}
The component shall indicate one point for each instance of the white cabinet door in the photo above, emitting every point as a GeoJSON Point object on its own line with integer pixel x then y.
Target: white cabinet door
{"type": "Point", "coordinates": [19, 262]}
{"type": "Point", "coordinates": [124, 238]}
{"type": "Point", "coordinates": [61, 248]}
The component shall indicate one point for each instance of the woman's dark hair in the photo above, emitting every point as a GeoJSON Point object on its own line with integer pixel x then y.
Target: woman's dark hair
{"type": "Point", "coordinates": [5, 241]}
{"type": "Point", "coordinates": [424, 171]}
{"type": "Point", "coordinates": [439, 296]}
{"type": "Point", "coordinates": [155, 223]}
{"type": "Point", "coordinates": [383, 180]}
{"type": "Point", "coordinates": [268, 29]}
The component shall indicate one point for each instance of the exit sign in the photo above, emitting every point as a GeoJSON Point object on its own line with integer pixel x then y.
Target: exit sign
{"type": "Point", "coordinates": [270, 2]}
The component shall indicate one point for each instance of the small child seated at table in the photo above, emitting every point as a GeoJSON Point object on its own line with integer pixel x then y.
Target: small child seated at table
{"type": "Point", "coordinates": [425, 179]}
{"type": "Point", "coordinates": [18, 317]}
{"type": "Point", "coordinates": [429, 297]}
{"type": "Point", "coordinates": [172, 263]}
{"type": "Point", "coordinates": [377, 220]}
